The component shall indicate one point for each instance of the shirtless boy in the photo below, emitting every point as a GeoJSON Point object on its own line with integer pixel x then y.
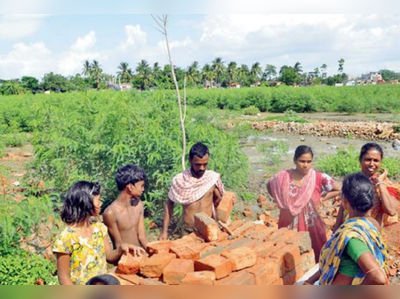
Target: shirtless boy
{"type": "Point", "coordinates": [197, 189]}
{"type": "Point", "coordinates": [125, 216]}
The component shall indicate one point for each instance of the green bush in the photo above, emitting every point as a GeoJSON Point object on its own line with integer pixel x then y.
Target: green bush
{"type": "Point", "coordinates": [89, 136]}
{"type": "Point", "coordinates": [2, 148]}
{"type": "Point", "coordinates": [14, 139]}
{"type": "Point", "coordinates": [24, 269]}
{"type": "Point", "coordinates": [346, 161]}
{"type": "Point", "coordinates": [252, 110]}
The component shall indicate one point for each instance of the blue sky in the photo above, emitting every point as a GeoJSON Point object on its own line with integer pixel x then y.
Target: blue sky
{"type": "Point", "coordinates": [33, 45]}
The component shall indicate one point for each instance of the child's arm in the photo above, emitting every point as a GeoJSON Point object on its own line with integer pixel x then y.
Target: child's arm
{"type": "Point", "coordinates": [63, 269]}
{"type": "Point", "coordinates": [168, 212]}
{"type": "Point", "coordinates": [113, 256]}
{"type": "Point", "coordinates": [142, 229]}
{"type": "Point", "coordinates": [110, 220]}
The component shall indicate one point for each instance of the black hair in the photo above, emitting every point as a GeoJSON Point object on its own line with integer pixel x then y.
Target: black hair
{"type": "Point", "coordinates": [129, 174]}
{"type": "Point", "coordinates": [359, 192]}
{"type": "Point", "coordinates": [370, 146]}
{"type": "Point", "coordinates": [302, 150]}
{"type": "Point", "coordinates": [199, 150]}
{"type": "Point", "coordinates": [105, 279]}
{"type": "Point", "coordinates": [78, 202]}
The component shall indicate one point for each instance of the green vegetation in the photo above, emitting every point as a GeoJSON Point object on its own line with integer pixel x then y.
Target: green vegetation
{"type": "Point", "coordinates": [274, 151]}
{"type": "Point", "coordinates": [252, 110]}
{"type": "Point", "coordinates": [26, 269]}
{"type": "Point", "coordinates": [345, 161]}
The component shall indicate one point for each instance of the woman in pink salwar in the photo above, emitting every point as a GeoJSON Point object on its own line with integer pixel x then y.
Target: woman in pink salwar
{"type": "Point", "coordinates": [298, 192]}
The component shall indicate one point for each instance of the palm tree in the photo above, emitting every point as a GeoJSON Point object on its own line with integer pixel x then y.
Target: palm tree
{"type": "Point", "coordinates": [87, 69]}
{"type": "Point", "coordinates": [298, 68]}
{"type": "Point", "coordinates": [341, 63]}
{"type": "Point", "coordinates": [125, 72]}
{"type": "Point", "coordinates": [144, 73]}
{"type": "Point", "coordinates": [96, 73]}
{"type": "Point", "coordinates": [157, 72]}
{"type": "Point", "coordinates": [207, 73]}
{"type": "Point", "coordinates": [270, 71]}
{"type": "Point", "coordinates": [193, 73]}
{"type": "Point", "coordinates": [231, 72]}
{"type": "Point", "coordinates": [243, 73]}
{"type": "Point", "coordinates": [219, 68]}
{"type": "Point", "coordinates": [255, 72]}
{"type": "Point", "coordinates": [316, 72]}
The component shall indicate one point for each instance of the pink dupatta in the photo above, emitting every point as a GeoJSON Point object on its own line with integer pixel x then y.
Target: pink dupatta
{"type": "Point", "coordinates": [280, 189]}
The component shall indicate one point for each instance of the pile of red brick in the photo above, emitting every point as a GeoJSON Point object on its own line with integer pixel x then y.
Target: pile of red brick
{"type": "Point", "coordinates": [250, 254]}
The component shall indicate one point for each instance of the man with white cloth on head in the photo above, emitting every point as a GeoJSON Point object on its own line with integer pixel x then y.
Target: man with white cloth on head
{"type": "Point", "coordinates": [196, 189]}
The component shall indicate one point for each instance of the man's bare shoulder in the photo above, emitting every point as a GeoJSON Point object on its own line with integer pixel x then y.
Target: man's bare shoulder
{"type": "Point", "coordinates": [110, 212]}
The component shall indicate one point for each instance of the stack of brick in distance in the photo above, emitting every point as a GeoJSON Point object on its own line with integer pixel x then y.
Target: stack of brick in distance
{"type": "Point", "coordinates": [257, 255]}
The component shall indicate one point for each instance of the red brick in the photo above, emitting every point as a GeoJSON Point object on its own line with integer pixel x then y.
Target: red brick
{"type": "Point", "coordinates": [283, 235]}
{"type": "Point", "coordinates": [221, 266]}
{"type": "Point", "coordinates": [155, 265]}
{"type": "Point", "coordinates": [206, 226]}
{"type": "Point", "coordinates": [288, 256]}
{"type": "Point", "coordinates": [238, 278]}
{"type": "Point", "coordinates": [278, 282]}
{"type": "Point", "coordinates": [266, 271]}
{"type": "Point", "coordinates": [235, 224]}
{"type": "Point", "coordinates": [263, 250]}
{"type": "Point", "coordinates": [241, 258]}
{"type": "Point", "coordinates": [262, 233]}
{"type": "Point", "coordinates": [160, 247]}
{"type": "Point", "coordinates": [303, 240]}
{"type": "Point", "coordinates": [211, 250]}
{"type": "Point", "coordinates": [130, 264]}
{"type": "Point", "coordinates": [244, 242]}
{"type": "Point", "coordinates": [190, 251]}
{"type": "Point", "coordinates": [176, 271]}
{"type": "Point", "coordinates": [199, 278]}
{"type": "Point", "coordinates": [225, 207]}
{"type": "Point", "coordinates": [241, 230]}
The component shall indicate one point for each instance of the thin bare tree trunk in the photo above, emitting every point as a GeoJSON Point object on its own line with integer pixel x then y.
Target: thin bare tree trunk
{"type": "Point", "coordinates": [162, 23]}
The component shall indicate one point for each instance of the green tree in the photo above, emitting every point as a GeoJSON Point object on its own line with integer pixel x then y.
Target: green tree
{"type": "Point", "coordinates": [231, 72]}
{"type": "Point", "coordinates": [12, 87]}
{"type": "Point", "coordinates": [298, 68]}
{"type": "Point", "coordinates": [288, 75]}
{"type": "Point", "coordinates": [87, 69]}
{"type": "Point", "coordinates": [55, 82]}
{"type": "Point", "coordinates": [207, 73]}
{"type": "Point", "coordinates": [219, 68]}
{"type": "Point", "coordinates": [389, 75]}
{"type": "Point", "coordinates": [341, 64]}
{"type": "Point", "coordinates": [243, 74]}
{"type": "Point", "coordinates": [30, 83]}
{"type": "Point", "coordinates": [255, 73]}
{"type": "Point", "coordinates": [324, 69]}
{"type": "Point", "coordinates": [144, 74]}
{"type": "Point", "coordinates": [78, 83]}
{"type": "Point", "coordinates": [193, 74]}
{"type": "Point", "coordinates": [96, 73]}
{"type": "Point", "coordinates": [125, 72]}
{"type": "Point", "coordinates": [269, 72]}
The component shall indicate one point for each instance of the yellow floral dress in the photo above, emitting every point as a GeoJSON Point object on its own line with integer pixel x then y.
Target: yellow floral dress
{"type": "Point", "coordinates": [87, 255]}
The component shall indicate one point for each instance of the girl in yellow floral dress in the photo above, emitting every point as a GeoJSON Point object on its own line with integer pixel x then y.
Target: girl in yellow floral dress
{"type": "Point", "coordinates": [83, 249]}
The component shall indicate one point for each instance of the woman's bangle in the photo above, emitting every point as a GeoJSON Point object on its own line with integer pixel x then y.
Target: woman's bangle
{"type": "Point", "coordinates": [380, 183]}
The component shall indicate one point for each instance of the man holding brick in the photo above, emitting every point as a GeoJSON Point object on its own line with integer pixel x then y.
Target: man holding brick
{"type": "Point", "coordinates": [199, 190]}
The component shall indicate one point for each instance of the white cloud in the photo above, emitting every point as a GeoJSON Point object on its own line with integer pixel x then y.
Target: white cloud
{"type": "Point", "coordinates": [26, 7]}
{"type": "Point", "coordinates": [71, 62]}
{"type": "Point", "coordinates": [135, 36]}
{"type": "Point", "coordinates": [18, 26]}
{"type": "Point", "coordinates": [26, 60]}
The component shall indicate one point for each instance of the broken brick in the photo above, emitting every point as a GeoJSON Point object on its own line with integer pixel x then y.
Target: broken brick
{"type": "Point", "coordinates": [241, 230]}
{"type": "Point", "coordinates": [241, 258]}
{"type": "Point", "coordinates": [225, 207]}
{"type": "Point", "coordinates": [199, 278]}
{"type": "Point", "coordinates": [189, 251]}
{"type": "Point", "coordinates": [221, 266]}
{"type": "Point", "coordinates": [288, 256]}
{"type": "Point", "coordinates": [176, 271]}
{"type": "Point", "coordinates": [206, 226]}
{"type": "Point", "coordinates": [154, 266]}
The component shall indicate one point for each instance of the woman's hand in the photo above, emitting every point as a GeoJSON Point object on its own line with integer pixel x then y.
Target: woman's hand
{"type": "Point", "coordinates": [379, 178]}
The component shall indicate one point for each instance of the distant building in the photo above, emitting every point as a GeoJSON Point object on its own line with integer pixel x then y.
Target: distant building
{"type": "Point", "coordinates": [372, 77]}
{"type": "Point", "coordinates": [234, 85]}
{"type": "Point", "coordinates": [125, 87]}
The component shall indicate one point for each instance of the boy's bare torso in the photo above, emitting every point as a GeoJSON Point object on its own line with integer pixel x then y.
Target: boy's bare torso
{"type": "Point", "coordinates": [127, 222]}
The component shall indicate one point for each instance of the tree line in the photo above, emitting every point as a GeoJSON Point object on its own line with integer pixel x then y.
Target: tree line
{"type": "Point", "coordinates": [215, 74]}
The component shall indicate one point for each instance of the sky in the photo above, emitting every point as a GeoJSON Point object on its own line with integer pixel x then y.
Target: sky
{"type": "Point", "coordinates": [32, 44]}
